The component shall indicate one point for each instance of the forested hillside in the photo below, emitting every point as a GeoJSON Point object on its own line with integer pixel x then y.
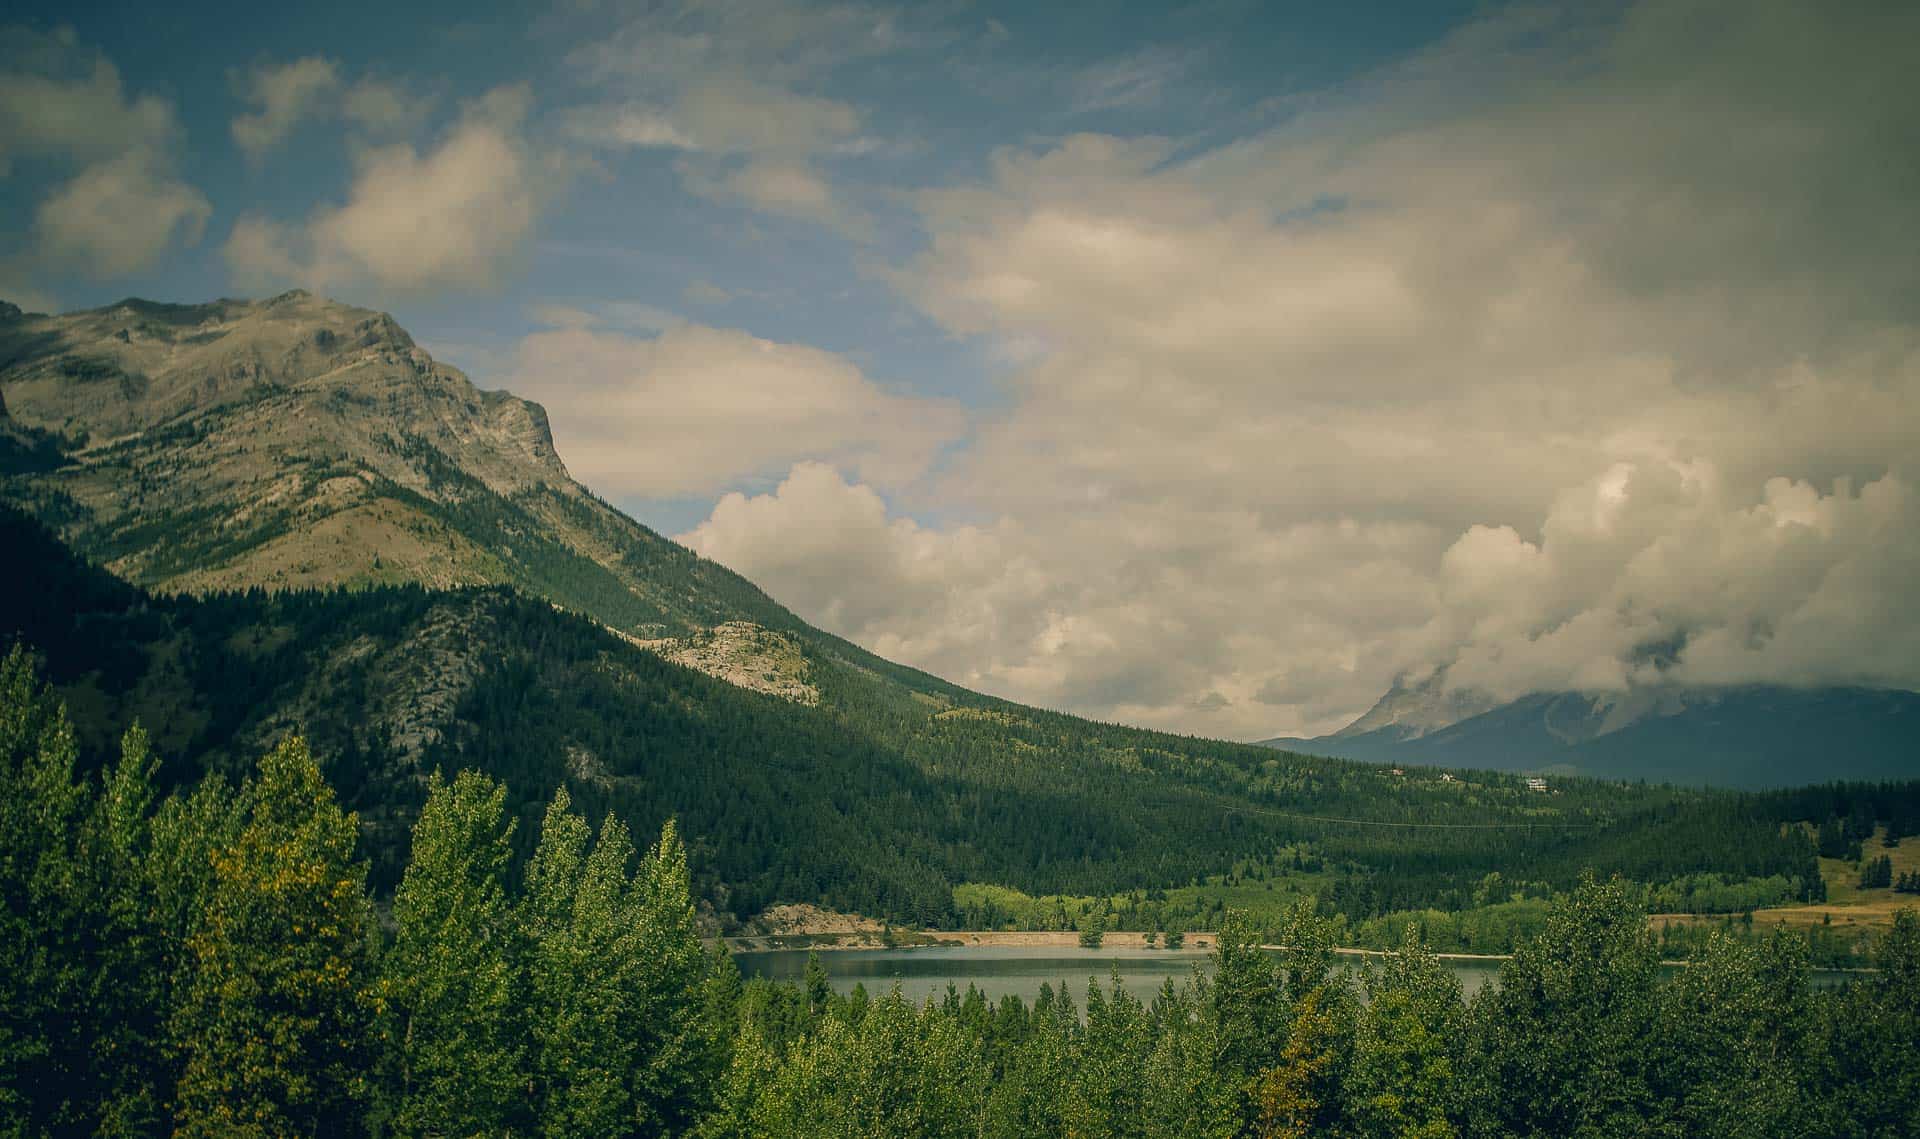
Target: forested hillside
{"type": "Point", "coordinates": [209, 963]}
{"type": "Point", "coordinates": [879, 799]}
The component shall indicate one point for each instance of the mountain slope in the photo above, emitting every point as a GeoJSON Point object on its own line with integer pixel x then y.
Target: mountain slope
{"type": "Point", "coordinates": [1747, 736]}
{"type": "Point", "coordinates": [861, 801]}
{"type": "Point", "coordinates": [295, 442]}
{"type": "Point", "coordinates": [299, 442]}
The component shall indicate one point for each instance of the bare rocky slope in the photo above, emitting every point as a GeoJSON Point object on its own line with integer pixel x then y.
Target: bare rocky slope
{"type": "Point", "coordinates": [298, 442]}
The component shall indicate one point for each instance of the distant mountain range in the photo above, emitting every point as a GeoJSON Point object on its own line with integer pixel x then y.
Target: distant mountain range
{"type": "Point", "coordinates": [1747, 736]}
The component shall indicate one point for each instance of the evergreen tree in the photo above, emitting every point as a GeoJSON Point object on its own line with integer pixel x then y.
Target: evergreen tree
{"type": "Point", "coordinates": [274, 1026]}
{"type": "Point", "coordinates": [450, 979]}
{"type": "Point", "coordinates": [625, 1038]}
{"type": "Point", "coordinates": [79, 972]}
{"type": "Point", "coordinates": [683, 1015]}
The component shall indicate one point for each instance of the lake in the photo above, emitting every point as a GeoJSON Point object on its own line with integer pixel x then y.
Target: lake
{"type": "Point", "coordinates": [1021, 970]}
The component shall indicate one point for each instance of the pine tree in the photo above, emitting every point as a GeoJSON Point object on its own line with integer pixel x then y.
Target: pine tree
{"type": "Point", "coordinates": [79, 966]}
{"type": "Point", "coordinates": [450, 978]}
{"type": "Point", "coordinates": [274, 1025]}
{"type": "Point", "coordinates": [627, 1039]}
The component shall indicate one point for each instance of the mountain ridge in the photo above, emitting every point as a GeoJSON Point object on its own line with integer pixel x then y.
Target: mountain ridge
{"type": "Point", "coordinates": [1752, 735]}
{"type": "Point", "coordinates": [299, 442]}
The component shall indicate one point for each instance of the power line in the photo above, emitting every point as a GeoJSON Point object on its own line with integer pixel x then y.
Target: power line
{"type": "Point", "coordinates": [1418, 826]}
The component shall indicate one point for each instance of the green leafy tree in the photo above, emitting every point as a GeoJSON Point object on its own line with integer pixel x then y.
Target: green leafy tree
{"type": "Point", "coordinates": [1562, 1044]}
{"type": "Point", "coordinates": [450, 978]}
{"type": "Point", "coordinates": [1869, 1075]}
{"type": "Point", "coordinates": [1732, 1045]}
{"type": "Point", "coordinates": [275, 1024]}
{"type": "Point", "coordinates": [1408, 1047]}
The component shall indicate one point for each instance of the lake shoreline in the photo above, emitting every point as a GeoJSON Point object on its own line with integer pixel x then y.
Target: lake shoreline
{"type": "Point", "coordinates": [1196, 944]}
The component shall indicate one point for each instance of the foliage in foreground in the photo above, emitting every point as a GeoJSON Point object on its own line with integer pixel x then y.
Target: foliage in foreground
{"type": "Point", "coordinates": [211, 965]}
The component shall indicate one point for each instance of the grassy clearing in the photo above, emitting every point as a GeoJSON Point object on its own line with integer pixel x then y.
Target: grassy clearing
{"type": "Point", "coordinates": [1847, 905]}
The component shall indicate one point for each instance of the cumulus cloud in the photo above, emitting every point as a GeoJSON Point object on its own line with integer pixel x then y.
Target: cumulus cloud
{"type": "Point", "coordinates": [452, 216]}
{"type": "Point", "coordinates": [696, 409]}
{"type": "Point", "coordinates": [118, 216]}
{"type": "Point", "coordinates": [282, 95]}
{"type": "Point", "coordinates": [58, 98]}
{"type": "Point", "coordinates": [1409, 381]}
{"type": "Point", "coordinates": [727, 86]}
{"type": "Point", "coordinates": [125, 206]}
{"type": "Point", "coordinates": [384, 108]}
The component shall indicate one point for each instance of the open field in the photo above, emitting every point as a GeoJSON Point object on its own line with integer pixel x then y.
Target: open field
{"type": "Point", "coordinates": [1847, 905]}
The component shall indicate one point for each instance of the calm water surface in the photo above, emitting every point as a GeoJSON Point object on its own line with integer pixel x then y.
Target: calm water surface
{"type": "Point", "coordinates": [1021, 970]}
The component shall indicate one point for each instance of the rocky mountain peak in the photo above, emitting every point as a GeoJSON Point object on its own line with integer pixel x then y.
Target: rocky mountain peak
{"type": "Point", "coordinates": [297, 441]}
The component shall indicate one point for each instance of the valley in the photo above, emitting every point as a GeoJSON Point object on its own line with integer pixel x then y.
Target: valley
{"type": "Point", "coordinates": [468, 677]}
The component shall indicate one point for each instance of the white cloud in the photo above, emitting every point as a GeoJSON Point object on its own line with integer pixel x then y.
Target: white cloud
{"type": "Point", "coordinates": [118, 216]}
{"type": "Point", "coordinates": [56, 98]}
{"type": "Point", "coordinates": [1411, 381]}
{"type": "Point", "coordinates": [733, 87]}
{"type": "Point", "coordinates": [124, 207]}
{"type": "Point", "coordinates": [384, 108]}
{"type": "Point", "coordinates": [696, 409]}
{"type": "Point", "coordinates": [451, 217]}
{"type": "Point", "coordinates": [283, 94]}
{"type": "Point", "coordinates": [626, 125]}
{"type": "Point", "coordinates": [776, 186]}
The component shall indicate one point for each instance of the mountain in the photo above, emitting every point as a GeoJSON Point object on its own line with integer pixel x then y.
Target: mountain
{"type": "Point", "coordinates": [298, 442]}
{"type": "Point", "coordinates": [311, 523]}
{"type": "Point", "coordinates": [873, 798]}
{"type": "Point", "coordinates": [1741, 736]}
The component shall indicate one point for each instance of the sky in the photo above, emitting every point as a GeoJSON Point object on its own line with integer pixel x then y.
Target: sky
{"type": "Point", "coordinates": [1202, 366]}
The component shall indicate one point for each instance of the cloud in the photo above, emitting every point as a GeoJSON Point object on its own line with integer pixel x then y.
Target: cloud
{"type": "Point", "coordinates": [286, 94]}
{"type": "Point", "coordinates": [1407, 381]}
{"type": "Point", "coordinates": [283, 94]}
{"type": "Point", "coordinates": [696, 410]}
{"type": "Point", "coordinates": [1139, 79]}
{"type": "Point", "coordinates": [451, 217]}
{"type": "Point", "coordinates": [124, 207]}
{"type": "Point", "coordinates": [741, 141]}
{"type": "Point", "coordinates": [614, 126]}
{"type": "Point", "coordinates": [118, 216]}
{"type": "Point", "coordinates": [734, 89]}
{"type": "Point", "coordinates": [384, 108]}
{"type": "Point", "coordinates": [57, 98]}
{"type": "Point", "coordinates": [786, 188]}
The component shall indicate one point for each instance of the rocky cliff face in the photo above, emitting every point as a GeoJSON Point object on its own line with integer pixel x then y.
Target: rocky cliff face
{"type": "Point", "coordinates": [1409, 711]}
{"type": "Point", "coordinates": [298, 442]}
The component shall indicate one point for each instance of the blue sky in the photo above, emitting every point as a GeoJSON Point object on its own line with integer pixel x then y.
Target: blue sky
{"type": "Point", "coordinates": [1205, 366]}
{"type": "Point", "coordinates": [958, 82]}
